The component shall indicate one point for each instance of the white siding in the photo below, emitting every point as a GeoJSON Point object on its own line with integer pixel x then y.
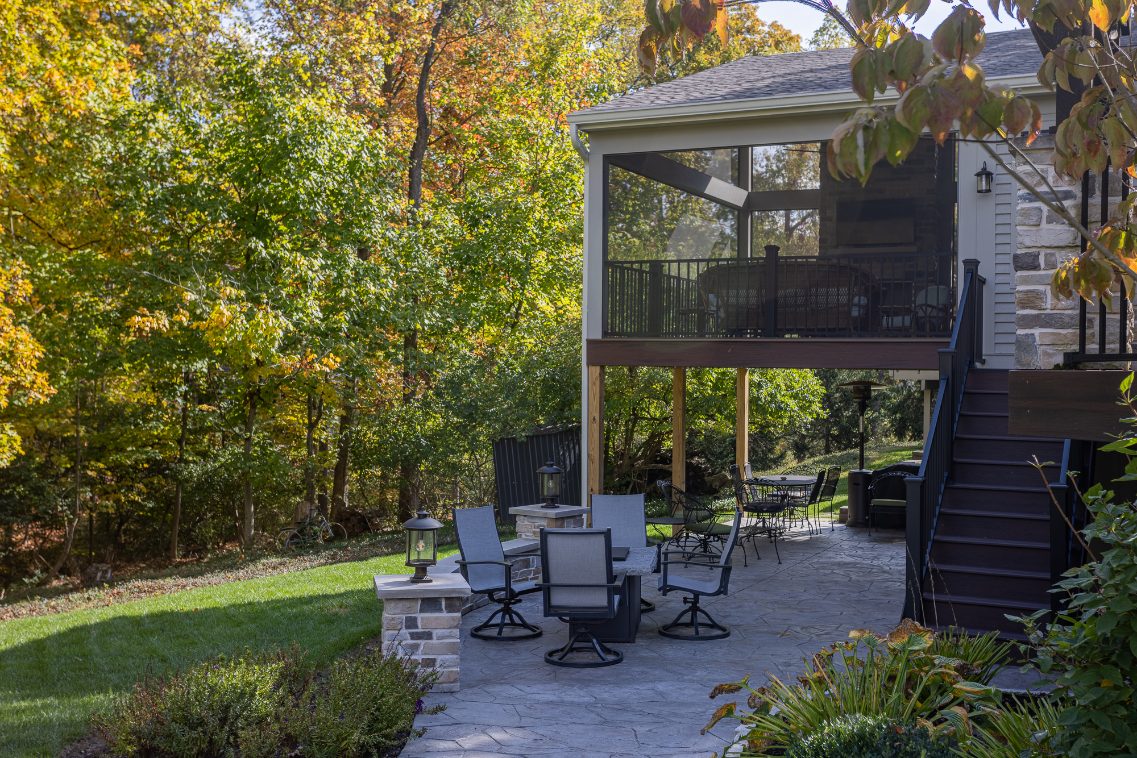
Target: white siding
{"type": "Point", "coordinates": [1002, 351]}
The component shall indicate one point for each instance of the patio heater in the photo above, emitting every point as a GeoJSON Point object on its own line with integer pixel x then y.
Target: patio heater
{"type": "Point", "coordinates": [861, 390]}
{"type": "Point", "coordinates": [422, 547]}
{"type": "Point", "coordinates": [549, 483]}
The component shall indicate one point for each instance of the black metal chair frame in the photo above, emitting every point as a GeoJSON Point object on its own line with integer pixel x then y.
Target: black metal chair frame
{"type": "Point", "coordinates": [699, 518]}
{"type": "Point", "coordinates": [829, 491]}
{"type": "Point", "coordinates": [581, 637]}
{"type": "Point", "coordinates": [764, 502]}
{"type": "Point", "coordinates": [689, 617]}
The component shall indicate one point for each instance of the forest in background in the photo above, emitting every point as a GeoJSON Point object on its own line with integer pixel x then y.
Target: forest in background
{"type": "Point", "coordinates": [298, 251]}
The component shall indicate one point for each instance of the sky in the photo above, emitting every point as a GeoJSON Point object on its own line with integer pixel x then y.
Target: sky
{"type": "Point", "coordinates": [804, 20]}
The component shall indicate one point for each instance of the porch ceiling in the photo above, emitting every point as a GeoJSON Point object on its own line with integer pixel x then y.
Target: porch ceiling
{"type": "Point", "coordinates": [767, 353]}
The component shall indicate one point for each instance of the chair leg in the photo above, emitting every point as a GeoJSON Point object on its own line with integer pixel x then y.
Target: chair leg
{"type": "Point", "coordinates": [506, 618]}
{"type": "Point", "coordinates": [775, 535]}
{"type": "Point", "coordinates": [693, 623]}
{"type": "Point", "coordinates": [583, 641]}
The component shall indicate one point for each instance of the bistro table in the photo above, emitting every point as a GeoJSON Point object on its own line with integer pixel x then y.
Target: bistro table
{"type": "Point", "coordinates": [641, 562]}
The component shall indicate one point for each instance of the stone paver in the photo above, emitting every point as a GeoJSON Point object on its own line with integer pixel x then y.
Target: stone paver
{"type": "Point", "coordinates": [654, 703]}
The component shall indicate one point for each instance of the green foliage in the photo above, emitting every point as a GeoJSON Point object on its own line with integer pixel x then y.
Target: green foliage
{"type": "Point", "coordinates": [1021, 728]}
{"type": "Point", "coordinates": [1091, 647]}
{"type": "Point", "coordinates": [364, 707]}
{"type": "Point", "coordinates": [267, 705]}
{"type": "Point", "coordinates": [227, 707]}
{"type": "Point", "coordinates": [861, 736]}
{"type": "Point", "coordinates": [906, 677]}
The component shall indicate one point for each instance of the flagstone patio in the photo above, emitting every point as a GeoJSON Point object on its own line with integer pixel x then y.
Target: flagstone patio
{"type": "Point", "coordinates": [512, 703]}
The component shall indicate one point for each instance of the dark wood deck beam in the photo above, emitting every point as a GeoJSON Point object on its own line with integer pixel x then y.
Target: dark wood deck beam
{"type": "Point", "coordinates": [767, 353]}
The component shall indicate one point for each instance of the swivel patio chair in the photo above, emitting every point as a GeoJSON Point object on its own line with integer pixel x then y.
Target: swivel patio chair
{"type": "Point", "coordinates": [624, 516]}
{"type": "Point", "coordinates": [484, 566]}
{"type": "Point", "coordinates": [698, 579]}
{"type": "Point", "coordinates": [580, 589]}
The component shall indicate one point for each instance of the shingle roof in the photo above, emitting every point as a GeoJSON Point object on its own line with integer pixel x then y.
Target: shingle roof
{"type": "Point", "coordinates": [1006, 54]}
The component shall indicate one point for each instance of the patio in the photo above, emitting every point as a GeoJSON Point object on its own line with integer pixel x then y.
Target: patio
{"type": "Point", "coordinates": [655, 702]}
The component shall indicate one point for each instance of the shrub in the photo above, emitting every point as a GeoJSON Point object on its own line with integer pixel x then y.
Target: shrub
{"type": "Point", "coordinates": [860, 736]}
{"type": "Point", "coordinates": [227, 707]}
{"type": "Point", "coordinates": [365, 707]}
{"type": "Point", "coordinates": [269, 705]}
{"type": "Point", "coordinates": [909, 676]}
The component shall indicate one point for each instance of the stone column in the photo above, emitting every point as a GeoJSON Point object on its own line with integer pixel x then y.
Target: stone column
{"type": "Point", "coordinates": [421, 622]}
{"type": "Point", "coordinates": [531, 519]}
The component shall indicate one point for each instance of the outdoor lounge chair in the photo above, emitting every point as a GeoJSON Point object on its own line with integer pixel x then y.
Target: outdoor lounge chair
{"type": "Point", "coordinates": [888, 497]}
{"type": "Point", "coordinates": [698, 579]}
{"type": "Point", "coordinates": [580, 589]}
{"type": "Point", "coordinates": [484, 566]}
{"type": "Point", "coordinates": [624, 516]}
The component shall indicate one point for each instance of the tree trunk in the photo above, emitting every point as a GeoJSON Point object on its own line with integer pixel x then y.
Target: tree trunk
{"type": "Point", "coordinates": [408, 469]}
{"type": "Point", "coordinates": [183, 423]}
{"type": "Point", "coordinates": [343, 453]}
{"type": "Point", "coordinates": [247, 510]}
{"type": "Point", "coordinates": [315, 415]}
{"type": "Point", "coordinates": [71, 525]}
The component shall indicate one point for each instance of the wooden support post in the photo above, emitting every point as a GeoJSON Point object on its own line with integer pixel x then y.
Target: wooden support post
{"type": "Point", "coordinates": [929, 399]}
{"type": "Point", "coordinates": [595, 435]}
{"type": "Point", "coordinates": [742, 418]}
{"type": "Point", "coordinates": [679, 427]}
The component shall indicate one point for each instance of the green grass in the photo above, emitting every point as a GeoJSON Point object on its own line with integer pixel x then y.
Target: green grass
{"type": "Point", "coordinates": [56, 671]}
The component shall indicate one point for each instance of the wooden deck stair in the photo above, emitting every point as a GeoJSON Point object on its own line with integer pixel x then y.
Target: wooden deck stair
{"type": "Point", "coordinates": [990, 554]}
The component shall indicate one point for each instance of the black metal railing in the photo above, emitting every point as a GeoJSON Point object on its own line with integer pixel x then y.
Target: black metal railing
{"type": "Point", "coordinates": [1066, 549]}
{"type": "Point", "coordinates": [847, 295]}
{"type": "Point", "coordinates": [926, 488]}
{"type": "Point", "coordinates": [1111, 340]}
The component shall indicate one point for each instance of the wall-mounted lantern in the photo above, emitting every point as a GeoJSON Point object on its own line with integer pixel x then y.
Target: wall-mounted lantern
{"type": "Point", "coordinates": [983, 179]}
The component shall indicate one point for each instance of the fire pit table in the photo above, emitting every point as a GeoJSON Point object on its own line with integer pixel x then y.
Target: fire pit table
{"type": "Point", "coordinates": [640, 562]}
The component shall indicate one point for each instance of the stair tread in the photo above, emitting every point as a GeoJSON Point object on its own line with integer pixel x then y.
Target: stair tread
{"type": "Point", "coordinates": [960, 568]}
{"type": "Point", "coordinates": [1009, 438]}
{"type": "Point", "coordinates": [990, 602]}
{"type": "Point", "coordinates": [990, 541]}
{"type": "Point", "coordinates": [984, 391]}
{"type": "Point", "coordinates": [985, 414]}
{"type": "Point", "coordinates": [994, 487]}
{"type": "Point", "coordinates": [975, 632]}
{"type": "Point", "coordinates": [997, 462]}
{"type": "Point", "coordinates": [995, 514]}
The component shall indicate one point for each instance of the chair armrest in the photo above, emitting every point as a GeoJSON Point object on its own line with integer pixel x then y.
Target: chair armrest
{"type": "Point", "coordinates": [504, 564]}
{"type": "Point", "coordinates": [607, 585]}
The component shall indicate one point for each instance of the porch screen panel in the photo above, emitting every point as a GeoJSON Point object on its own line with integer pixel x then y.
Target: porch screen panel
{"type": "Point", "coordinates": [659, 240]}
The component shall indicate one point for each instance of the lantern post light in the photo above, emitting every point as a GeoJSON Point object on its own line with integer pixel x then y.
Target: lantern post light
{"type": "Point", "coordinates": [549, 483]}
{"type": "Point", "coordinates": [422, 547]}
{"type": "Point", "coordinates": [983, 179]}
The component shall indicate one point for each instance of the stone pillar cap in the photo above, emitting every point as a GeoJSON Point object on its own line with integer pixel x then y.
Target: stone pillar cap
{"type": "Point", "coordinates": [400, 585]}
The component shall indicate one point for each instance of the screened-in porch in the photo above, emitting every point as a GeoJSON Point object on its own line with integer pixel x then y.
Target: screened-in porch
{"type": "Point", "coordinates": [761, 242]}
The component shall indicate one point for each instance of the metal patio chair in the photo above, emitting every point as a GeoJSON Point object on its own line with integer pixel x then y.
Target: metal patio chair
{"type": "Point", "coordinates": [698, 579]}
{"type": "Point", "coordinates": [829, 491]}
{"type": "Point", "coordinates": [888, 496]}
{"type": "Point", "coordinates": [624, 516]}
{"type": "Point", "coordinates": [764, 503]}
{"type": "Point", "coordinates": [580, 588]}
{"type": "Point", "coordinates": [484, 566]}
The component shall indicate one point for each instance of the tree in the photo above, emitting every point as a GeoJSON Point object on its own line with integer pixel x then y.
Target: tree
{"type": "Point", "coordinates": [942, 87]}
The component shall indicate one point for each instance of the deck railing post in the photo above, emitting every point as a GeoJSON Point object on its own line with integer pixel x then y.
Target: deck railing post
{"type": "Point", "coordinates": [914, 568]}
{"type": "Point", "coordinates": [655, 299]}
{"type": "Point", "coordinates": [770, 296]}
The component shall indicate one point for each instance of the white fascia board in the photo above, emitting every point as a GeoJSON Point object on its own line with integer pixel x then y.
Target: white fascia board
{"type": "Point", "coordinates": [817, 102]}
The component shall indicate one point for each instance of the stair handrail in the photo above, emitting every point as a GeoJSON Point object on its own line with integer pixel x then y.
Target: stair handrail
{"type": "Point", "coordinates": [925, 490]}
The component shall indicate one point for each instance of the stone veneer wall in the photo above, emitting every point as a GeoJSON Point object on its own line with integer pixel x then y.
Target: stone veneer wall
{"type": "Point", "coordinates": [1046, 326]}
{"type": "Point", "coordinates": [426, 630]}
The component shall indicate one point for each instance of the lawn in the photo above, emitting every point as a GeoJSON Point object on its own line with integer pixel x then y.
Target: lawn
{"type": "Point", "coordinates": [58, 670]}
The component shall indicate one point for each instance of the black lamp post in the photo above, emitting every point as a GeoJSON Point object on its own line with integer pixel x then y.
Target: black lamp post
{"type": "Point", "coordinates": [983, 179]}
{"type": "Point", "coordinates": [422, 547]}
{"type": "Point", "coordinates": [862, 393]}
{"type": "Point", "coordinates": [549, 482]}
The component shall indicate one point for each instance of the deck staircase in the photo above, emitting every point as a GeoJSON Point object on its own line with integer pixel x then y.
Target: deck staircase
{"type": "Point", "coordinates": [990, 554]}
{"type": "Point", "coordinates": [984, 539]}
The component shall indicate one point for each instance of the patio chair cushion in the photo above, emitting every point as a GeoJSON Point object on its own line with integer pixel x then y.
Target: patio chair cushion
{"type": "Point", "coordinates": [716, 528]}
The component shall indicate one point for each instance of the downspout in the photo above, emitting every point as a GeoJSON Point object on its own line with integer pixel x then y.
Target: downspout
{"type": "Point", "coordinates": [574, 135]}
